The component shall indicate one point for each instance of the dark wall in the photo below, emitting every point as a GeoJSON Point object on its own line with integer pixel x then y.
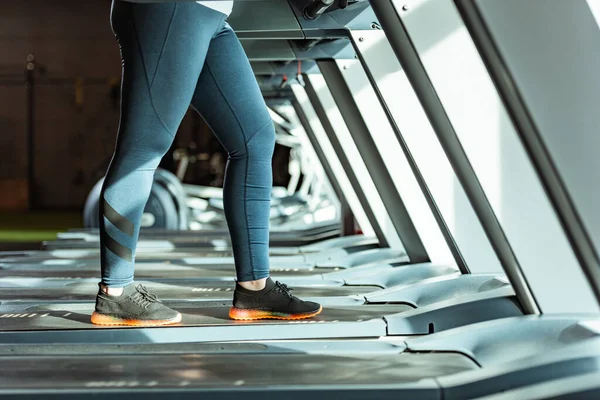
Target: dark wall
{"type": "Point", "coordinates": [74, 130]}
{"type": "Point", "coordinates": [76, 104]}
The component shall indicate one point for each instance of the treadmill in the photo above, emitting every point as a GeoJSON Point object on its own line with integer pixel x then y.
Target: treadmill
{"type": "Point", "coordinates": [427, 283]}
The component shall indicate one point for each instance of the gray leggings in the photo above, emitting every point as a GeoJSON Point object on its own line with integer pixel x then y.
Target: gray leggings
{"type": "Point", "coordinates": [174, 55]}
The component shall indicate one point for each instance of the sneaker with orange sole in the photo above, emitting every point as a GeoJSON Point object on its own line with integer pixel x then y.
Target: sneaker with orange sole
{"type": "Point", "coordinates": [136, 306]}
{"type": "Point", "coordinates": [275, 301]}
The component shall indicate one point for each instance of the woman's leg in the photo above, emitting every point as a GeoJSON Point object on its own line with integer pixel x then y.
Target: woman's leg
{"type": "Point", "coordinates": [163, 48]}
{"type": "Point", "coordinates": [229, 99]}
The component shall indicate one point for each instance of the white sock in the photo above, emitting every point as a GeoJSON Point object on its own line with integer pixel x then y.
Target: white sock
{"type": "Point", "coordinates": [112, 291]}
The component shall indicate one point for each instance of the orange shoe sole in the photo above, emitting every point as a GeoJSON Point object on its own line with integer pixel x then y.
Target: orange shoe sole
{"type": "Point", "coordinates": [240, 314]}
{"type": "Point", "coordinates": [99, 319]}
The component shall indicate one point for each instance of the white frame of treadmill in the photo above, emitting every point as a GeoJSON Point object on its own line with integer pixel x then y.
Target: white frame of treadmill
{"type": "Point", "coordinates": [497, 156]}
{"type": "Point", "coordinates": [333, 160]}
{"type": "Point", "coordinates": [358, 166]}
{"type": "Point", "coordinates": [426, 151]}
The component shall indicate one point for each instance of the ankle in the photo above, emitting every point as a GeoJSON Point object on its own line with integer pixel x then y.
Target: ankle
{"type": "Point", "coordinates": [254, 285]}
{"type": "Point", "coordinates": [111, 291]}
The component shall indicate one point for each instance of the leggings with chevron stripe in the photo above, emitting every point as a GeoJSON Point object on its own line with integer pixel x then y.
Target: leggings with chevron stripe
{"type": "Point", "coordinates": [176, 55]}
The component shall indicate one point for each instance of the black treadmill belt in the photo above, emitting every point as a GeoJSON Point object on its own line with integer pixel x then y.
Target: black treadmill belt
{"type": "Point", "coordinates": [94, 255]}
{"type": "Point", "coordinates": [148, 271]}
{"type": "Point", "coordinates": [224, 268]}
{"type": "Point", "coordinates": [177, 242]}
{"type": "Point", "coordinates": [167, 252]}
{"type": "Point", "coordinates": [199, 244]}
{"type": "Point", "coordinates": [162, 233]}
{"type": "Point", "coordinates": [222, 371]}
{"type": "Point", "coordinates": [69, 316]}
{"type": "Point", "coordinates": [217, 290]}
{"type": "Point", "coordinates": [282, 239]}
{"type": "Point", "coordinates": [92, 259]}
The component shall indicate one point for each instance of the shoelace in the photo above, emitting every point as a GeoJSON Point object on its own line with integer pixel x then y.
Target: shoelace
{"type": "Point", "coordinates": [283, 289]}
{"type": "Point", "coordinates": [143, 297]}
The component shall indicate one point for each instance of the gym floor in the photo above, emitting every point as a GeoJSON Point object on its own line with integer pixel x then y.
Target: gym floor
{"type": "Point", "coordinates": [19, 230]}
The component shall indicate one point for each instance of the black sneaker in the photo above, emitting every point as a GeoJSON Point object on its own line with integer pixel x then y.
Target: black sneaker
{"type": "Point", "coordinates": [275, 301]}
{"type": "Point", "coordinates": [135, 307]}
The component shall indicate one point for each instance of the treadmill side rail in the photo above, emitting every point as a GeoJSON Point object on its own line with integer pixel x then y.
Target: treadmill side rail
{"type": "Point", "coordinates": [565, 363]}
{"type": "Point", "coordinates": [344, 241]}
{"type": "Point", "coordinates": [430, 291]}
{"type": "Point", "coordinates": [458, 312]}
{"type": "Point", "coordinates": [487, 342]}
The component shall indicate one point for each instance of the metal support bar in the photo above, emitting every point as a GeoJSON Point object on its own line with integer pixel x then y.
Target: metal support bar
{"type": "Point", "coordinates": [362, 198]}
{"type": "Point", "coordinates": [445, 230]}
{"type": "Point", "coordinates": [346, 213]}
{"type": "Point", "coordinates": [340, 175]}
{"type": "Point", "coordinates": [377, 169]}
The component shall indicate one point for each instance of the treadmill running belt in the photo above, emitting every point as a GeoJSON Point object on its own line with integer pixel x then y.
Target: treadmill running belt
{"type": "Point", "coordinates": [275, 240]}
{"type": "Point", "coordinates": [147, 271]}
{"type": "Point", "coordinates": [202, 291]}
{"type": "Point", "coordinates": [235, 371]}
{"type": "Point", "coordinates": [94, 256]}
{"type": "Point", "coordinates": [68, 316]}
